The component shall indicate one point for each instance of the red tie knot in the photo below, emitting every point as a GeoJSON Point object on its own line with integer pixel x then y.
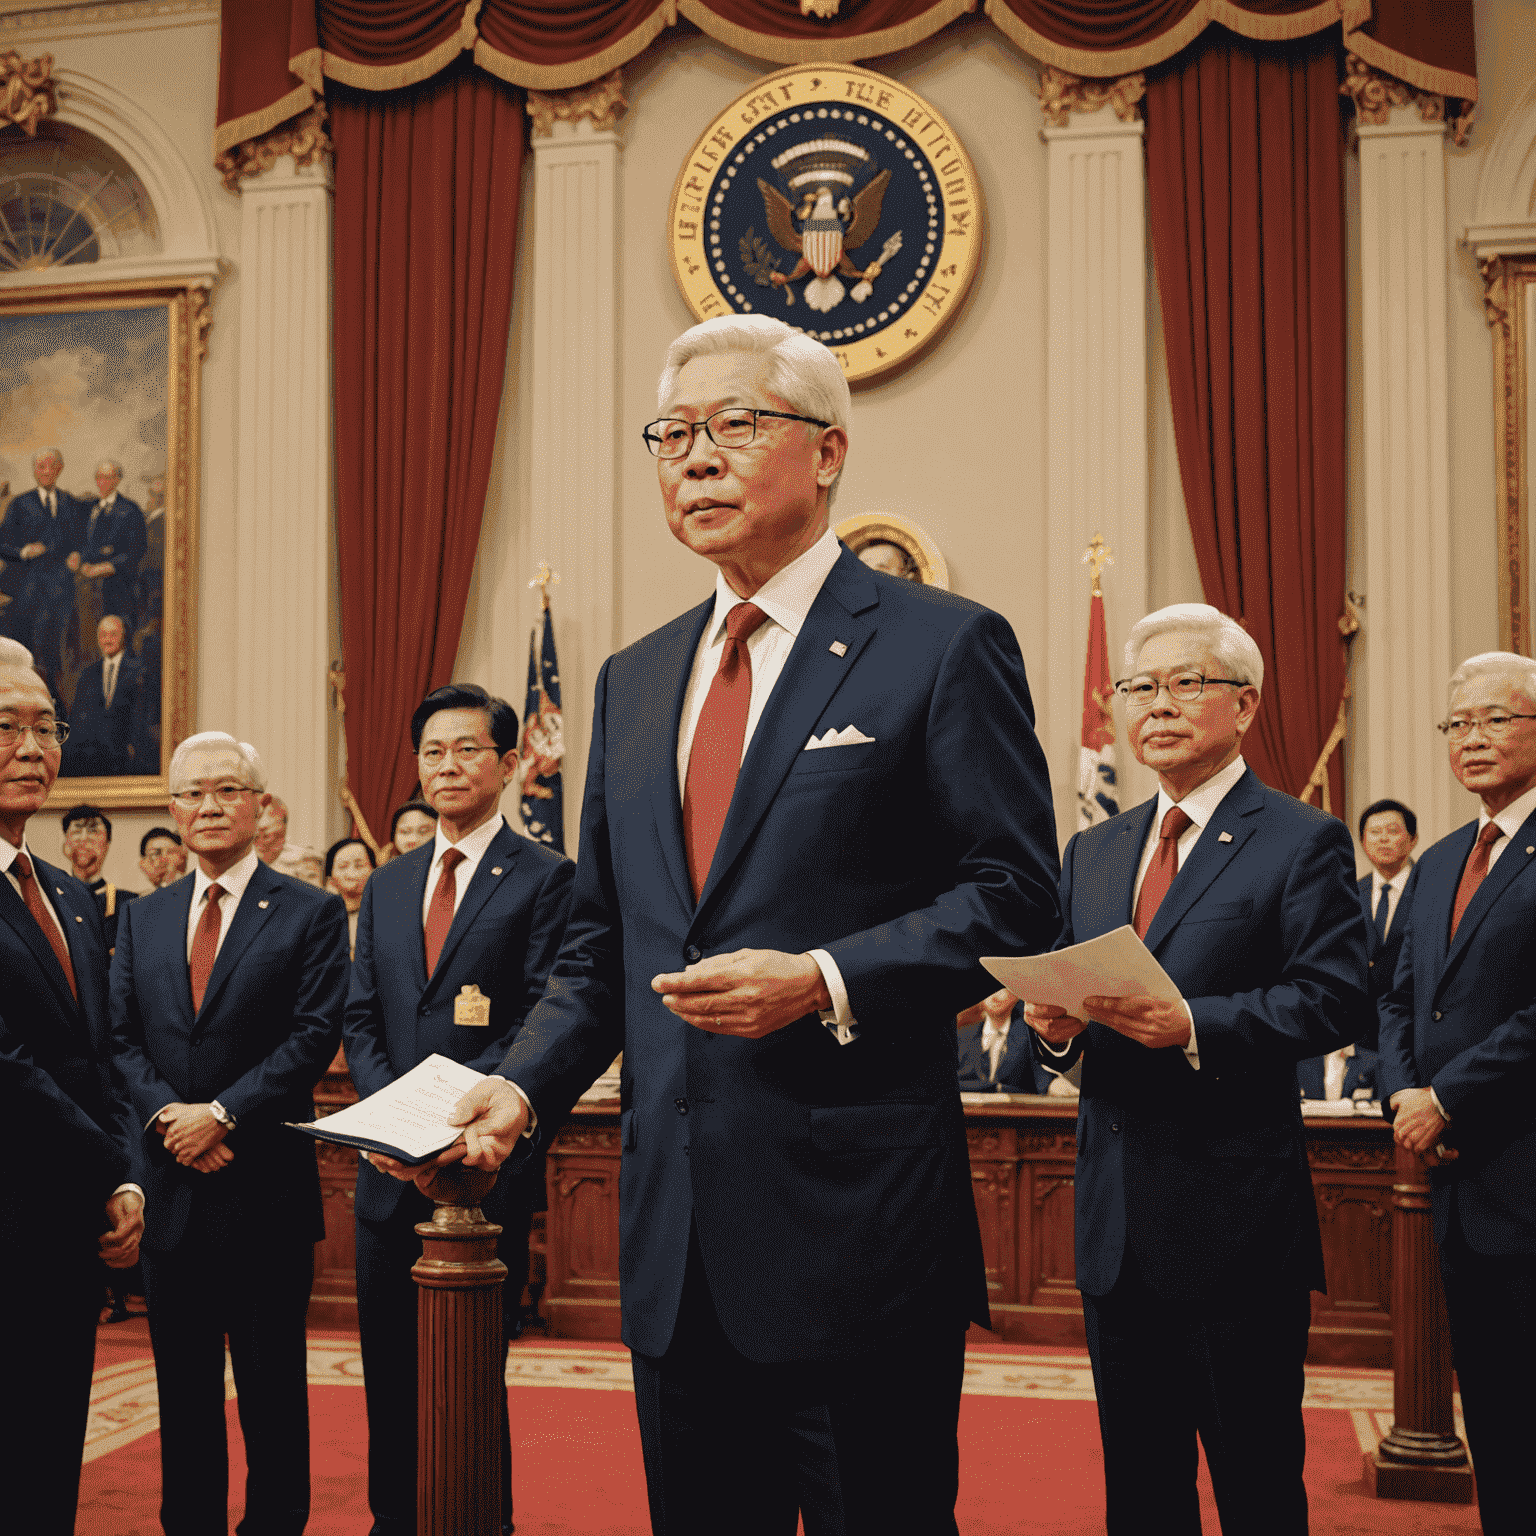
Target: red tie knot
{"type": "Point", "coordinates": [1490, 834]}
{"type": "Point", "coordinates": [743, 620]}
{"type": "Point", "coordinates": [452, 858]}
{"type": "Point", "coordinates": [1175, 823]}
{"type": "Point", "coordinates": [22, 866]}
{"type": "Point", "coordinates": [216, 894]}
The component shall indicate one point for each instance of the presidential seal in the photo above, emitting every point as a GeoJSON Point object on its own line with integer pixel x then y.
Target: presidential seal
{"type": "Point", "coordinates": [837, 200]}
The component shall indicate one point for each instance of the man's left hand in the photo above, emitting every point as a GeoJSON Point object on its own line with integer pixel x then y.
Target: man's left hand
{"type": "Point", "coordinates": [119, 1247]}
{"type": "Point", "coordinates": [190, 1130]}
{"type": "Point", "coordinates": [1146, 1020]}
{"type": "Point", "coordinates": [750, 992]}
{"type": "Point", "coordinates": [1418, 1125]}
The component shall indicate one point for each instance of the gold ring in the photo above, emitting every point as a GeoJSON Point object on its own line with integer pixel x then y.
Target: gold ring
{"type": "Point", "coordinates": [1439, 1149]}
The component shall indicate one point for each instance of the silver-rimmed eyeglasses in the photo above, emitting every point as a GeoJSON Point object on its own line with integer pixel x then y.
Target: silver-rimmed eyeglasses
{"type": "Point", "coordinates": [1495, 724]}
{"type": "Point", "coordinates": [735, 427]}
{"type": "Point", "coordinates": [1140, 692]}
{"type": "Point", "coordinates": [48, 734]}
{"type": "Point", "coordinates": [461, 751]}
{"type": "Point", "coordinates": [225, 794]}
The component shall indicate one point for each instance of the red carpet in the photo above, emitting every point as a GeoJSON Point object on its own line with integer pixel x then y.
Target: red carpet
{"type": "Point", "coordinates": [1029, 1446]}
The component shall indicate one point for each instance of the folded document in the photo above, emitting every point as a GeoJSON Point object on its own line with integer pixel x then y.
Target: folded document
{"type": "Point", "coordinates": [1115, 964]}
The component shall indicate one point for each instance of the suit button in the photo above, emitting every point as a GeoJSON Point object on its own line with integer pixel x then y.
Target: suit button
{"type": "Point", "coordinates": [1115, 1128]}
{"type": "Point", "coordinates": [682, 1106]}
{"type": "Point", "coordinates": [694, 954]}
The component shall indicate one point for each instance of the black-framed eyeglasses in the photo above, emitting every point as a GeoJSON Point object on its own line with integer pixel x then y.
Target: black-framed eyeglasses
{"type": "Point", "coordinates": [672, 438]}
{"type": "Point", "coordinates": [1141, 692]}
{"type": "Point", "coordinates": [1495, 725]}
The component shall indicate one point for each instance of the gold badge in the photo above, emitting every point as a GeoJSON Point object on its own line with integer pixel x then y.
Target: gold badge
{"type": "Point", "coordinates": [472, 1007]}
{"type": "Point", "coordinates": [834, 199]}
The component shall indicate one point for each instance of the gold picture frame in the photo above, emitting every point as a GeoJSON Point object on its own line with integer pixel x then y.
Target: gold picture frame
{"type": "Point", "coordinates": [1510, 297]}
{"type": "Point", "coordinates": [925, 562]}
{"type": "Point", "coordinates": [150, 336]}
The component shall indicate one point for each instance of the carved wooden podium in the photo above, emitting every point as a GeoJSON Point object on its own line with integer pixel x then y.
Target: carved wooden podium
{"type": "Point", "coordinates": [461, 1391]}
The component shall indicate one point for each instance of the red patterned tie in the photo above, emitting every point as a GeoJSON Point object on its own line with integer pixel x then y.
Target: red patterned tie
{"type": "Point", "coordinates": [21, 867]}
{"type": "Point", "coordinates": [715, 760]}
{"type": "Point", "coordinates": [205, 945]}
{"type": "Point", "coordinates": [1162, 869]}
{"type": "Point", "coordinates": [1475, 872]}
{"type": "Point", "coordinates": [440, 913]}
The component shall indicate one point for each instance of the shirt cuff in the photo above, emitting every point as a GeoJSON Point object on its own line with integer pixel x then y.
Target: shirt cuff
{"type": "Point", "coordinates": [1440, 1109]}
{"type": "Point", "coordinates": [533, 1114]}
{"type": "Point", "coordinates": [1192, 1045]}
{"type": "Point", "coordinates": [149, 1124]}
{"type": "Point", "coordinates": [839, 1017]}
{"type": "Point", "coordinates": [128, 1189]}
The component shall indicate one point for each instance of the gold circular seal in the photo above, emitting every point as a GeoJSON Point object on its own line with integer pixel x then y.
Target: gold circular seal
{"type": "Point", "coordinates": [834, 199]}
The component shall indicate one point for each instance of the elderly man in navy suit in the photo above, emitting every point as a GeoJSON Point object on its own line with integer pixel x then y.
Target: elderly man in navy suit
{"type": "Point", "coordinates": [799, 1254]}
{"type": "Point", "coordinates": [112, 544]}
{"type": "Point", "coordinates": [1197, 1234]}
{"type": "Point", "coordinates": [1458, 1068]}
{"type": "Point", "coordinates": [227, 997]}
{"type": "Point", "coordinates": [476, 914]}
{"type": "Point", "coordinates": [42, 529]}
{"type": "Point", "coordinates": [66, 1203]}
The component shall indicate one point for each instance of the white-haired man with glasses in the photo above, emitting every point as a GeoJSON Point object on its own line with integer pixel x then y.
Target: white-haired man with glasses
{"type": "Point", "coordinates": [1458, 1068]}
{"type": "Point", "coordinates": [227, 997]}
{"type": "Point", "coordinates": [1197, 1235]}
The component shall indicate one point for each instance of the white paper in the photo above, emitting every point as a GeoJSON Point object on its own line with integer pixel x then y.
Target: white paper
{"type": "Point", "coordinates": [412, 1112]}
{"type": "Point", "coordinates": [1115, 964]}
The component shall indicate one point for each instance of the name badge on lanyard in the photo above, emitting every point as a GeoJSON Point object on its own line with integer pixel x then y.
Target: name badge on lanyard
{"type": "Point", "coordinates": [472, 1007]}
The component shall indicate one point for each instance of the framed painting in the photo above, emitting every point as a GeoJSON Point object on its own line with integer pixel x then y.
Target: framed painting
{"type": "Point", "coordinates": [1510, 300]}
{"type": "Point", "coordinates": [895, 545]}
{"type": "Point", "coordinates": [99, 459]}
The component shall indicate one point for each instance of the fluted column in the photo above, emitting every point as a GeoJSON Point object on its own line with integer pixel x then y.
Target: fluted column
{"type": "Point", "coordinates": [281, 594]}
{"type": "Point", "coordinates": [1096, 393]}
{"type": "Point", "coordinates": [1404, 651]}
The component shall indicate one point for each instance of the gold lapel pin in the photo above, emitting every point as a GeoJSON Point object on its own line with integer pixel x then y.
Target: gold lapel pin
{"type": "Point", "coordinates": [497, 870]}
{"type": "Point", "coordinates": [262, 905]}
{"type": "Point", "coordinates": [838, 648]}
{"type": "Point", "coordinates": [78, 918]}
{"type": "Point", "coordinates": [1530, 849]}
{"type": "Point", "coordinates": [1225, 837]}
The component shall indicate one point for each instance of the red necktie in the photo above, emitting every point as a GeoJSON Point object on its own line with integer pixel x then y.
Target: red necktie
{"type": "Point", "coordinates": [21, 867]}
{"type": "Point", "coordinates": [715, 760]}
{"type": "Point", "coordinates": [440, 913]}
{"type": "Point", "coordinates": [205, 945]}
{"type": "Point", "coordinates": [1162, 869]}
{"type": "Point", "coordinates": [1473, 875]}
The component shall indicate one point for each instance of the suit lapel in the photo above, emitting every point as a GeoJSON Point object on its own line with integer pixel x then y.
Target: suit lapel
{"type": "Point", "coordinates": [13, 910]}
{"type": "Point", "coordinates": [489, 873]}
{"type": "Point", "coordinates": [845, 611]}
{"type": "Point", "coordinates": [1498, 879]}
{"type": "Point", "coordinates": [255, 907]}
{"type": "Point", "coordinates": [169, 942]}
{"type": "Point", "coordinates": [1117, 885]}
{"type": "Point", "coordinates": [414, 923]}
{"type": "Point", "coordinates": [673, 664]}
{"type": "Point", "coordinates": [1432, 905]}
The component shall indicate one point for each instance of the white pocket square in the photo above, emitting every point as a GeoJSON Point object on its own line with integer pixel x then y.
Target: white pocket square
{"type": "Point", "coordinates": [849, 736]}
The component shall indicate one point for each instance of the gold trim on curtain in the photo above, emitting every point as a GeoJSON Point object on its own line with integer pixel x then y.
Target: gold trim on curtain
{"type": "Point", "coordinates": [563, 77]}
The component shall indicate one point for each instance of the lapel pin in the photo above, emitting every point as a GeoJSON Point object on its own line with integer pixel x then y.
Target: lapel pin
{"type": "Point", "coordinates": [59, 890]}
{"type": "Point", "coordinates": [1530, 849]}
{"type": "Point", "coordinates": [262, 905]}
{"type": "Point", "coordinates": [1225, 837]}
{"type": "Point", "coordinates": [838, 648]}
{"type": "Point", "coordinates": [497, 870]}
{"type": "Point", "coordinates": [79, 919]}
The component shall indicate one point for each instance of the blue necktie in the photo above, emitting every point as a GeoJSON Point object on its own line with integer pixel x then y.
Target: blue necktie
{"type": "Point", "coordinates": [1381, 916]}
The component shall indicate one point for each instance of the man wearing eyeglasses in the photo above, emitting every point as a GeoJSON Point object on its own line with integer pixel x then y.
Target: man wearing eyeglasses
{"type": "Point", "coordinates": [227, 996]}
{"type": "Point", "coordinates": [66, 1204]}
{"type": "Point", "coordinates": [1197, 1234]}
{"type": "Point", "coordinates": [1458, 1068]}
{"type": "Point", "coordinates": [799, 1253]}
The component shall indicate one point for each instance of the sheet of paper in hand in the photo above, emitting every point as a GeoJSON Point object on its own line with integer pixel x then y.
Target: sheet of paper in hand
{"type": "Point", "coordinates": [1115, 964]}
{"type": "Point", "coordinates": [407, 1120]}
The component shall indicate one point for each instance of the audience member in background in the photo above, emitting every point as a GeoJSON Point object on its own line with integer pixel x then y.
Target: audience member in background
{"type": "Point", "coordinates": [997, 1053]}
{"type": "Point", "coordinates": [454, 946]}
{"type": "Point", "coordinates": [65, 1205]}
{"type": "Point", "coordinates": [87, 837]}
{"type": "Point", "coordinates": [301, 863]}
{"type": "Point", "coordinates": [1458, 1066]}
{"type": "Point", "coordinates": [413, 824]}
{"type": "Point", "coordinates": [162, 857]}
{"type": "Point", "coordinates": [113, 545]}
{"type": "Point", "coordinates": [272, 830]}
{"type": "Point", "coordinates": [348, 863]}
{"type": "Point", "coordinates": [106, 716]}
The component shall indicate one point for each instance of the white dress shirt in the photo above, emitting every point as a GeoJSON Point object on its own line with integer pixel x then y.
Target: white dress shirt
{"type": "Point", "coordinates": [786, 598]}
{"type": "Point", "coordinates": [473, 845]}
{"type": "Point", "coordinates": [1510, 820]}
{"type": "Point", "coordinates": [109, 666]}
{"type": "Point", "coordinates": [1394, 888]}
{"type": "Point", "coordinates": [994, 1041]}
{"type": "Point", "coordinates": [233, 881]}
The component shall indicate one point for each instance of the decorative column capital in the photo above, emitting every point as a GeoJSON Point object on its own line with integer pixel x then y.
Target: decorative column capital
{"type": "Point", "coordinates": [1062, 94]}
{"type": "Point", "coordinates": [26, 90]}
{"type": "Point", "coordinates": [1375, 95]}
{"type": "Point", "coordinates": [1495, 274]}
{"type": "Point", "coordinates": [305, 137]}
{"type": "Point", "coordinates": [601, 103]}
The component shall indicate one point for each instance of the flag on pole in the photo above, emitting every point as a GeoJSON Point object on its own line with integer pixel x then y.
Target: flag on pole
{"type": "Point", "coordinates": [543, 742]}
{"type": "Point", "coordinates": [1097, 793]}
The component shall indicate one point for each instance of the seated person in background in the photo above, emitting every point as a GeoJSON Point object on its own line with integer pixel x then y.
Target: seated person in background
{"type": "Point", "coordinates": [162, 857]}
{"type": "Point", "coordinates": [348, 863]}
{"type": "Point", "coordinates": [87, 836]}
{"type": "Point", "coordinates": [413, 824]}
{"type": "Point", "coordinates": [996, 1053]}
{"type": "Point", "coordinates": [302, 863]}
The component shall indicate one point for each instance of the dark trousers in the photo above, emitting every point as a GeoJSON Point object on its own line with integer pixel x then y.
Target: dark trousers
{"type": "Point", "coordinates": [253, 1288]}
{"type": "Point", "coordinates": [52, 1298]}
{"type": "Point", "coordinates": [386, 1322]}
{"type": "Point", "coordinates": [1227, 1370]}
{"type": "Point", "coordinates": [859, 1447]}
{"type": "Point", "coordinates": [1491, 1299]}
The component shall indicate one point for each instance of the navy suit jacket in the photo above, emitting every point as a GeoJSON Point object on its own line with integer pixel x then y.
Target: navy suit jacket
{"type": "Point", "coordinates": [65, 1116]}
{"type": "Point", "coordinates": [27, 522]}
{"type": "Point", "coordinates": [1203, 1175]}
{"type": "Point", "coordinates": [504, 939]}
{"type": "Point", "coordinates": [1017, 1071]}
{"type": "Point", "coordinates": [268, 1028]}
{"type": "Point", "coordinates": [1461, 1019]}
{"type": "Point", "coordinates": [1382, 958]}
{"type": "Point", "coordinates": [101, 734]}
{"type": "Point", "coordinates": [119, 537]}
{"type": "Point", "coordinates": [829, 1184]}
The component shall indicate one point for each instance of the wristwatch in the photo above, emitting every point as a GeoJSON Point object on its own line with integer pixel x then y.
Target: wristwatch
{"type": "Point", "coordinates": [222, 1115]}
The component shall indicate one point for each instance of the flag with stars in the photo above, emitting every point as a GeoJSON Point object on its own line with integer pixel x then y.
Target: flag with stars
{"type": "Point", "coordinates": [543, 742]}
{"type": "Point", "coordinates": [1097, 794]}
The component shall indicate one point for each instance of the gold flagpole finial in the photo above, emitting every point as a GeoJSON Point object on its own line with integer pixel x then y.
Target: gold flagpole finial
{"type": "Point", "coordinates": [1097, 557]}
{"type": "Point", "coordinates": [546, 576]}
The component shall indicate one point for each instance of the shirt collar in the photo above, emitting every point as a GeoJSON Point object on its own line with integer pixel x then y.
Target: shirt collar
{"type": "Point", "coordinates": [1397, 882]}
{"type": "Point", "coordinates": [787, 595]}
{"type": "Point", "coordinates": [1512, 817]}
{"type": "Point", "coordinates": [105, 502]}
{"type": "Point", "coordinates": [1200, 804]}
{"type": "Point", "coordinates": [234, 879]}
{"type": "Point", "coordinates": [991, 1031]}
{"type": "Point", "coordinates": [8, 854]}
{"type": "Point", "coordinates": [472, 846]}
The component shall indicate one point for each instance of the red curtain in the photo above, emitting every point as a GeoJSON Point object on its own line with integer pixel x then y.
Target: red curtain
{"type": "Point", "coordinates": [427, 184]}
{"type": "Point", "coordinates": [1245, 192]}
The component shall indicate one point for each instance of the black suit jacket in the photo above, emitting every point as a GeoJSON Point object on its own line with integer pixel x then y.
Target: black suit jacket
{"type": "Point", "coordinates": [119, 538]}
{"type": "Point", "coordinates": [1461, 1019]}
{"type": "Point", "coordinates": [268, 1028]}
{"type": "Point", "coordinates": [103, 738]}
{"type": "Point", "coordinates": [27, 521]}
{"type": "Point", "coordinates": [1203, 1174]}
{"type": "Point", "coordinates": [1017, 1071]}
{"type": "Point", "coordinates": [1382, 957]}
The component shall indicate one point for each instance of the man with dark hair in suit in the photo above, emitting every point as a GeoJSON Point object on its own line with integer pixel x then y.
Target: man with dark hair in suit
{"type": "Point", "coordinates": [996, 1051]}
{"type": "Point", "coordinates": [65, 1203]}
{"type": "Point", "coordinates": [799, 1253]}
{"type": "Point", "coordinates": [162, 857]}
{"type": "Point", "coordinates": [1197, 1235]}
{"type": "Point", "coordinates": [87, 837]}
{"type": "Point", "coordinates": [106, 716]}
{"type": "Point", "coordinates": [1458, 1067]}
{"type": "Point", "coordinates": [41, 530]}
{"type": "Point", "coordinates": [454, 943]}
{"type": "Point", "coordinates": [112, 545]}
{"type": "Point", "coordinates": [227, 996]}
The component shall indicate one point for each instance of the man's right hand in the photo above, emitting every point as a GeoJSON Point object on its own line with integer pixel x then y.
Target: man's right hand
{"type": "Point", "coordinates": [494, 1115]}
{"type": "Point", "coordinates": [33, 550]}
{"type": "Point", "coordinates": [1054, 1025]}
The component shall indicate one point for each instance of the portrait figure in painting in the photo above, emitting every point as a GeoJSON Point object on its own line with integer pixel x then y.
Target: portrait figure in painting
{"type": "Point", "coordinates": [895, 546]}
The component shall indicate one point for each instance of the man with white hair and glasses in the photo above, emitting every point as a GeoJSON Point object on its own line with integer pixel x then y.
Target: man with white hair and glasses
{"type": "Point", "coordinates": [1197, 1234]}
{"type": "Point", "coordinates": [1458, 1068]}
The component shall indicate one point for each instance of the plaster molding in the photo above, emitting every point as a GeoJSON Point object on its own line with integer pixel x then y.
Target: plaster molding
{"type": "Point", "coordinates": [26, 90]}
{"type": "Point", "coordinates": [304, 138]}
{"type": "Point", "coordinates": [1504, 206]}
{"type": "Point", "coordinates": [1062, 94]}
{"type": "Point", "coordinates": [600, 104]}
{"type": "Point", "coordinates": [1375, 94]}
